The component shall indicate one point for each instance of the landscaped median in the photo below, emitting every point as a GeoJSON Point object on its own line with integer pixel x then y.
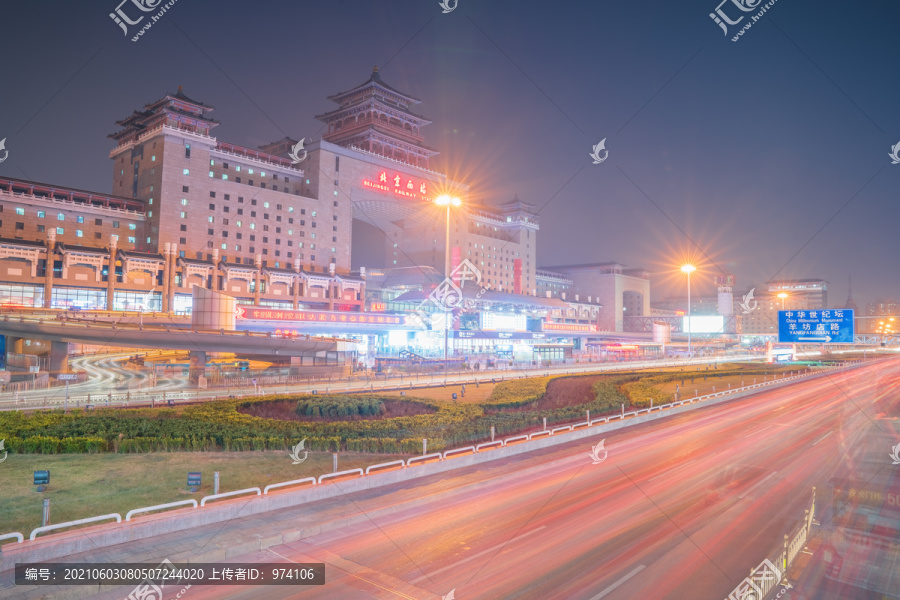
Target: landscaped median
{"type": "Point", "coordinates": [304, 491]}
{"type": "Point", "coordinates": [355, 423]}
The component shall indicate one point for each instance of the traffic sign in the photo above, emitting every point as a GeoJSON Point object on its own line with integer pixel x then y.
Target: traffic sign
{"type": "Point", "coordinates": [67, 377]}
{"type": "Point", "coordinates": [826, 326]}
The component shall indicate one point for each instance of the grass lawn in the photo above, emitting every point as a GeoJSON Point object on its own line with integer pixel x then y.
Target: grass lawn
{"type": "Point", "coordinates": [474, 394]}
{"type": "Point", "coordinates": [88, 485]}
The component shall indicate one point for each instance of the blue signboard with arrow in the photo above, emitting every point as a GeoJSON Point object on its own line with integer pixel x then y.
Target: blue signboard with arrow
{"type": "Point", "coordinates": [826, 326]}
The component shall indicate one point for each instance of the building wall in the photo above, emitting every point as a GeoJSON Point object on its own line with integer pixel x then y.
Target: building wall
{"type": "Point", "coordinates": [608, 288]}
{"type": "Point", "coordinates": [25, 217]}
{"type": "Point", "coordinates": [240, 205]}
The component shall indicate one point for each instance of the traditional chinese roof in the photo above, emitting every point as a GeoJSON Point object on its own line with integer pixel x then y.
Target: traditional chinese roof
{"type": "Point", "coordinates": [63, 248]}
{"type": "Point", "coordinates": [29, 243]}
{"type": "Point", "coordinates": [141, 255]}
{"type": "Point", "coordinates": [374, 82]}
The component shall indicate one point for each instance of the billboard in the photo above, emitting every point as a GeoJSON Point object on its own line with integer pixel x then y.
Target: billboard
{"type": "Point", "coordinates": [491, 321]}
{"type": "Point", "coordinates": [703, 324]}
{"type": "Point", "coordinates": [827, 326]}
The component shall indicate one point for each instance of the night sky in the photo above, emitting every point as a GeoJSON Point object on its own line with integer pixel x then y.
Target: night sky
{"type": "Point", "coordinates": [767, 157]}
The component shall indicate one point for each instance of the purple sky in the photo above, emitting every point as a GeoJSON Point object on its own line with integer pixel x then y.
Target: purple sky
{"type": "Point", "coordinates": [765, 157]}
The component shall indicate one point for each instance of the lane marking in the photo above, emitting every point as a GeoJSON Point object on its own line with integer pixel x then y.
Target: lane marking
{"type": "Point", "coordinates": [619, 582]}
{"type": "Point", "coordinates": [822, 438]}
{"type": "Point", "coordinates": [474, 556]}
{"type": "Point", "coordinates": [351, 574]}
{"type": "Point", "coordinates": [758, 483]}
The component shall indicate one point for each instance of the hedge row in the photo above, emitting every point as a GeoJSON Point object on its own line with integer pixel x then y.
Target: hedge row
{"type": "Point", "coordinates": [221, 426]}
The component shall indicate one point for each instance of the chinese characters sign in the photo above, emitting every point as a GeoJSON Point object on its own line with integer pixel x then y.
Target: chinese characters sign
{"type": "Point", "coordinates": [827, 326]}
{"type": "Point", "coordinates": [399, 185]}
{"type": "Point", "coordinates": [314, 316]}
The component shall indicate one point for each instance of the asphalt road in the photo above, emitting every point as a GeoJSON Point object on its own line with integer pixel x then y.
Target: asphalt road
{"type": "Point", "coordinates": [683, 507]}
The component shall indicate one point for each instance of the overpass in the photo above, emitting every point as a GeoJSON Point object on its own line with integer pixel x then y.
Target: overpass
{"type": "Point", "coordinates": [197, 341]}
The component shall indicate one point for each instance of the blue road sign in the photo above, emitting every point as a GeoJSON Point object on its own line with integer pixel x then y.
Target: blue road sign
{"type": "Point", "coordinates": [826, 326]}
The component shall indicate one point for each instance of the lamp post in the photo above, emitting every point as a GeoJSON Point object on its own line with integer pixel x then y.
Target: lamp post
{"type": "Point", "coordinates": [782, 295]}
{"type": "Point", "coordinates": [447, 201]}
{"type": "Point", "coordinates": [688, 269]}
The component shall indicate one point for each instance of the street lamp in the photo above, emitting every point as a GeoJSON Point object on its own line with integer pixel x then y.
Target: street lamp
{"type": "Point", "coordinates": [688, 269]}
{"type": "Point", "coordinates": [448, 201]}
{"type": "Point", "coordinates": [782, 295]}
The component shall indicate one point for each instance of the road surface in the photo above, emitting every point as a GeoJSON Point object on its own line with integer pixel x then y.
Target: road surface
{"type": "Point", "coordinates": [683, 507]}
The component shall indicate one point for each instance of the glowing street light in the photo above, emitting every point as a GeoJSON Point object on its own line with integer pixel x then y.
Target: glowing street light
{"type": "Point", "coordinates": [782, 295]}
{"type": "Point", "coordinates": [448, 201]}
{"type": "Point", "coordinates": [688, 269]}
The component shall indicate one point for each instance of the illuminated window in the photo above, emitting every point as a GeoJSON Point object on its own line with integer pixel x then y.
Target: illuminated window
{"type": "Point", "coordinates": [79, 233]}
{"type": "Point", "coordinates": [60, 217]}
{"type": "Point", "coordinates": [41, 214]}
{"type": "Point", "coordinates": [132, 226]}
{"type": "Point", "coordinates": [60, 230]}
{"type": "Point", "coordinates": [186, 172]}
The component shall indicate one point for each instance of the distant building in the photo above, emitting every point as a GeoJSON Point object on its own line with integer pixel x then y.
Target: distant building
{"type": "Point", "coordinates": [815, 290]}
{"type": "Point", "coordinates": [883, 307]}
{"type": "Point", "coordinates": [763, 318]}
{"type": "Point", "coordinates": [552, 285]}
{"type": "Point", "coordinates": [622, 291]}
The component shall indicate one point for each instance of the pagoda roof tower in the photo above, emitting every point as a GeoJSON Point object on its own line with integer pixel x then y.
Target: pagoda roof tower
{"type": "Point", "coordinates": [174, 110]}
{"type": "Point", "coordinates": [377, 118]}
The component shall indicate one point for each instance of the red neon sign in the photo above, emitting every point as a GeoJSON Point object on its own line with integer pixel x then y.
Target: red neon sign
{"type": "Point", "coordinates": [400, 185]}
{"type": "Point", "coordinates": [311, 316]}
{"type": "Point", "coordinates": [568, 327]}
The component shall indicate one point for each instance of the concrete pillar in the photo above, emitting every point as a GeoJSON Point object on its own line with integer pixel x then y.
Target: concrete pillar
{"type": "Point", "coordinates": [59, 357]}
{"type": "Point", "coordinates": [173, 252]}
{"type": "Point", "coordinates": [165, 278]}
{"type": "Point", "coordinates": [48, 274]}
{"type": "Point", "coordinates": [332, 291]}
{"type": "Point", "coordinates": [214, 280]}
{"type": "Point", "coordinates": [296, 284]}
{"type": "Point", "coordinates": [111, 278]}
{"type": "Point", "coordinates": [362, 288]}
{"type": "Point", "coordinates": [256, 275]}
{"type": "Point", "coordinates": [197, 364]}
{"type": "Point", "coordinates": [14, 346]}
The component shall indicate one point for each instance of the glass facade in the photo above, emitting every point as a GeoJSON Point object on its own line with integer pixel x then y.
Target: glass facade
{"type": "Point", "coordinates": [69, 297]}
{"type": "Point", "coordinates": [21, 295]}
{"type": "Point", "coordinates": [148, 302]}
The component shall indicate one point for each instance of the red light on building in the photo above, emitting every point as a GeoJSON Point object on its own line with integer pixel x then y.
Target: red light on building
{"type": "Point", "coordinates": [399, 184]}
